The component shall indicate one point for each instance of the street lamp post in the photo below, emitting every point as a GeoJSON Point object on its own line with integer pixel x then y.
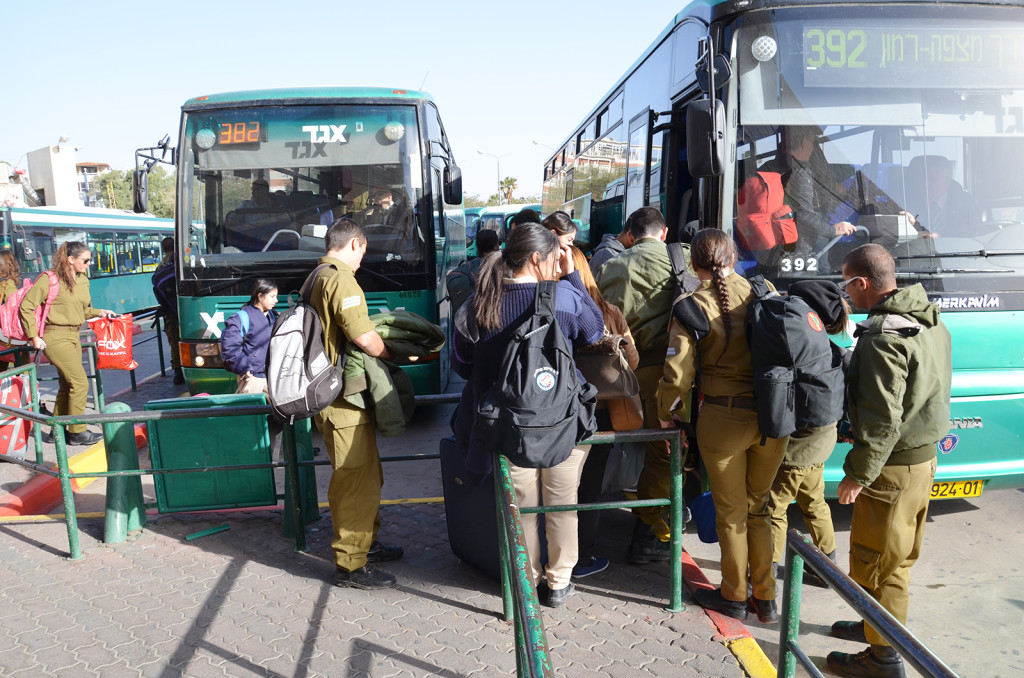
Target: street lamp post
{"type": "Point", "coordinates": [497, 159]}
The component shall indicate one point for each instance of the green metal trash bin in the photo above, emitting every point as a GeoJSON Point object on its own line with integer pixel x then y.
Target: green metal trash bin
{"type": "Point", "coordinates": [215, 441]}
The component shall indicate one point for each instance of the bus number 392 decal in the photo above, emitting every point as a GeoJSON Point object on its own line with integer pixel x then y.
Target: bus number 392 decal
{"type": "Point", "coordinates": [799, 264]}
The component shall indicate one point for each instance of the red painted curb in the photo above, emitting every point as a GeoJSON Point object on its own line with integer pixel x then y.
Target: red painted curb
{"type": "Point", "coordinates": [42, 493]}
{"type": "Point", "coordinates": [729, 628]}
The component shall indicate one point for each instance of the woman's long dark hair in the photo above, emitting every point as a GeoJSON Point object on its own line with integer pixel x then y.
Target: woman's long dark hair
{"type": "Point", "coordinates": [260, 287]}
{"type": "Point", "coordinates": [522, 242]}
{"type": "Point", "coordinates": [62, 267]}
{"type": "Point", "coordinates": [712, 250]}
{"type": "Point", "coordinates": [559, 223]}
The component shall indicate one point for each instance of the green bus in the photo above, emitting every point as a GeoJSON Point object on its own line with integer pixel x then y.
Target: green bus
{"type": "Point", "coordinates": [908, 106]}
{"type": "Point", "coordinates": [497, 217]}
{"type": "Point", "coordinates": [266, 172]}
{"type": "Point", "coordinates": [125, 248]}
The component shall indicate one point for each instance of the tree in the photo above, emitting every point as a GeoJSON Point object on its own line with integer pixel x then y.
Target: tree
{"type": "Point", "coordinates": [474, 200]}
{"type": "Point", "coordinates": [507, 186]}
{"type": "Point", "coordinates": [113, 189]}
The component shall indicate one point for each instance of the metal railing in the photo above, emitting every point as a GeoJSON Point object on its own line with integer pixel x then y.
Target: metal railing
{"type": "Point", "coordinates": [800, 550]}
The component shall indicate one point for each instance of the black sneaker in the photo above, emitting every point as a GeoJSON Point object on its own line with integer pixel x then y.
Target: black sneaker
{"type": "Point", "coordinates": [877, 661]}
{"type": "Point", "coordinates": [383, 553]}
{"type": "Point", "coordinates": [811, 578]}
{"type": "Point", "coordinates": [84, 438]}
{"type": "Point", "coordinates": [591, 565]}
{"type": "Point", "coordinates": [711, 599]}
{"type": "Point", "coordinates": [366, 577]}
{"type": "Point", "coordinates": [557, 597]}
{"type": "Point", "coordinates": [765, 610]}
{"type": "Point", "coordinates": [48, 437]}
{"type": "Point", "coordinates": [850, 630]}
{"type": "Point", "coordinates": [646, 547]}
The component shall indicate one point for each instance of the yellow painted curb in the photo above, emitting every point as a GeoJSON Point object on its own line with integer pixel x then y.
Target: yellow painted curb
{"type": "Point", "coordinates": [752, 658]}
{"type": "Point", "coordinates": [93, 460]}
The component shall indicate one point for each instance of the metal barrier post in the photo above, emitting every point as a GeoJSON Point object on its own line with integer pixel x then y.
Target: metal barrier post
{"type": "Point", "coordinates": [64, 475]}
{"type": "Point", "coordinates": [125, 508]}
{"type": "Point", "coordinates": [504, 548]}
{"type": "Point", "coordinates": [98, 400]}
{"type": "Point", "coordinates": [160, 345]}
{"type": "Point", "coordinates": [791, 592]}
{"type": "Point", "coordinates": [293, 501]}
{"type": "Point", "coordinates": [676, 521]}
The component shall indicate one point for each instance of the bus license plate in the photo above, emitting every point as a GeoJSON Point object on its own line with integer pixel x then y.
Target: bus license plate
{"type": "Point", "coordinates": [959, 490]}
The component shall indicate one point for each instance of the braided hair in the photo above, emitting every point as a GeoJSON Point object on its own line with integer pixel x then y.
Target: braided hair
{"type": "Point", "coordinates": [712, 250]}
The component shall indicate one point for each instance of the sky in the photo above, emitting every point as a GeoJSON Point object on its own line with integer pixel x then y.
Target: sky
{"type": "Point", "coordinates": [112, 75]}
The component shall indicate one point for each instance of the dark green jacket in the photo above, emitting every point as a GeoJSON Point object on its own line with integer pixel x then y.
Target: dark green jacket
{"type": "Point", "coordinates": [639, 281]}
{"type": "Point", "coordinates": [898, 385]}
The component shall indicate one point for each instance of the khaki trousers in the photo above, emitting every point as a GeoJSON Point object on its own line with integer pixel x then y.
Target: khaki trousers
{"type": "Point", "coordinates": [64, 350]}
{"type": "Point", "coordinates": [807, 487]}
{"type": "Point", "coordinates": [741, 470]}
{"type": "Point", "coordinates": [354, 491]}
{"type": "Point", "coordinates": [551, 487]}
{"type": "Point", "coordinates": [173, 338]}
{"type": "Point", "coordinates": [655, 480]}
{"type": "Point", "coordinates": [886, 536]}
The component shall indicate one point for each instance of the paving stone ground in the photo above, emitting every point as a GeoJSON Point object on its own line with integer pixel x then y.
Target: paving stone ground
{"type": "Point", "coordinates": [243, 602]}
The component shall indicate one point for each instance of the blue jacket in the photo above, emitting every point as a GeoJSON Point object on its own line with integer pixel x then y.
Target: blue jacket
{"type": "Point", "coordinates": [247, 351]}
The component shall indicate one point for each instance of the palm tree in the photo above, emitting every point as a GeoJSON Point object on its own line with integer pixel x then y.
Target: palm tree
{"type": "Point", "coordinates": [508, 186]}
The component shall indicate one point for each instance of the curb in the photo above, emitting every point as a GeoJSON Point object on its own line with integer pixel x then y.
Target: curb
{"type": "Point", "coordinates": [42, 493]}
{"type": "Point", "coordinates": [732, 632]}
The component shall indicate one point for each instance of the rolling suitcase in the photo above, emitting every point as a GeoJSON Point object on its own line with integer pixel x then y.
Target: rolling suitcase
{"type": "Point", "coordinates": [470, 513]}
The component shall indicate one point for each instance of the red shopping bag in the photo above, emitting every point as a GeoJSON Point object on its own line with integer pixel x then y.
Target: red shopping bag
{"type": "Point", "coordinates": [113, 342]}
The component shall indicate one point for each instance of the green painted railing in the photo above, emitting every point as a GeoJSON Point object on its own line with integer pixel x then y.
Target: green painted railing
{"type": "Point", "coordinates": [800, 550]}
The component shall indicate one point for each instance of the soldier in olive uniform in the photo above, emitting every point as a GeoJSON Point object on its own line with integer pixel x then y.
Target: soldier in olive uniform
{"type": "Point", "coordinates": [898, 388]}
{"type": "Point", "coordinates": [63, 346]}
{"type": "Point", "coordinates": [348, 431]}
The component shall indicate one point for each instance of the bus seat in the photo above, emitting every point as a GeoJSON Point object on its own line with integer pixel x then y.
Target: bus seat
{"type": "Point", "coordinates": [310, 207]}
{"type": "Point", "coordinates": [251, 228]}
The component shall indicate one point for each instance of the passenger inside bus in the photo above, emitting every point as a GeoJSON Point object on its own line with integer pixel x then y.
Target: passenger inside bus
{"type": "Point", "coordinates": [936, 202]}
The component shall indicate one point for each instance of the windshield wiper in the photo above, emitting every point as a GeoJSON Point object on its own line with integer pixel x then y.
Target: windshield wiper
{"type": "Point", "coordinates": [381, 276]}
{"type": "Point", "coordinates": [939, 270]}
{"type": "Point", "coordinates": [217, 288]}
{"type": "Point", "coordinates": [971, 253]}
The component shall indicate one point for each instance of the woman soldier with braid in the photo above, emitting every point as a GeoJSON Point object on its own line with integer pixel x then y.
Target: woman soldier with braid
{"type": "Point", "coordinates": [739, 462]}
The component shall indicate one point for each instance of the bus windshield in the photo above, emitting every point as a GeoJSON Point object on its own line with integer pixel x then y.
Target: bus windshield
{"type": "Point", "coordinates": [267, 182]}
{"type": "Point", "coordinates": [895, 125]}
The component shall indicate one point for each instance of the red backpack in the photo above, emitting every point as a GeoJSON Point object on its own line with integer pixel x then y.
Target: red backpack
{"type": "Point", "coordinates": [763, 220]}
{"type": "Point", "coordinates": [11, 330]}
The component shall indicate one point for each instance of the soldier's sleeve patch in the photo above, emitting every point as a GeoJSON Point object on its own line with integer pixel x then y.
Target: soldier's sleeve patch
{"type": "Point", "coordinates": [349, 302]}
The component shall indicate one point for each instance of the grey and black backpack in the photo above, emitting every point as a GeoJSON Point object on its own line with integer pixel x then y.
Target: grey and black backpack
{"type": "Point", "coordinates": [301, 380]}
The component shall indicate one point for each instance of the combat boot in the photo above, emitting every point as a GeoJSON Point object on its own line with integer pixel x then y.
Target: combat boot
{"type": "Point", "coordinates": [877, 661]}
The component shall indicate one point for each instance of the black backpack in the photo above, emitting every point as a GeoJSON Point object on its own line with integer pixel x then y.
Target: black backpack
{"type": "Point", "coordinates": [165, 289]}
{"type": "Point", "coordinates": [301, 381]}
{"type": "Point", "coordinates": [538, 408]}
{"type": "Point", "coordinates": [797, 382]}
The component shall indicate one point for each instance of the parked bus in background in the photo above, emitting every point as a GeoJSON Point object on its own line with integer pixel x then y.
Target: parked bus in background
{"type": "Point", "coordinates": [497, 218]}
{"type": "Point", "coordinates": [125, 248]}
{"type": "Point", "coordinates": [471, 214]}
{"type": "Point", "coordinates": [267, 171]}
{"type": "Point", "coordinates": [904, 123]}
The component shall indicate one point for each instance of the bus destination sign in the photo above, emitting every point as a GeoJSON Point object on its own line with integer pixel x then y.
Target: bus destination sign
{"type": "Point", "coordinates": [931, 56]}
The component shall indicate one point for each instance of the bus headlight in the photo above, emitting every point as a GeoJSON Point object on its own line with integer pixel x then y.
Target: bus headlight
{"type": "Point", "coordinates": [206, 138]}
{"type": "Point", "coordinates": [200, 354]}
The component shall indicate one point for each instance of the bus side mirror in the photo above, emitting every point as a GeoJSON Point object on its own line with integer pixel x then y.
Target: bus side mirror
{"type": "Point", "coordinates": [140, 191]}
{"type": "Point", "coordinates": [453, 185]}
{"type": "Point", "coordinates": [705, 137]}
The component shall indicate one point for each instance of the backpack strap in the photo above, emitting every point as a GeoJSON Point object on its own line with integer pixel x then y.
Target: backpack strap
{"type": "Point", "coordinates": [243, 318]}
{"type": "Point", "coordinates": [684, 308]}
{"type": "Point", "coordinates": [688, 283]}
{"type": "Point", "coordinates": [760, 287]}
{"type": "Point", "coordinates": [307, 287]}
{"type": "Point", "coordinates": [544, 299]}
{"type": "Point", "coordinates": [51, 294]}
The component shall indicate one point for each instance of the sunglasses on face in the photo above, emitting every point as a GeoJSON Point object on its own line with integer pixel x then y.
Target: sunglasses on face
{"type": "Point", "coordinates": [846, 283]}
